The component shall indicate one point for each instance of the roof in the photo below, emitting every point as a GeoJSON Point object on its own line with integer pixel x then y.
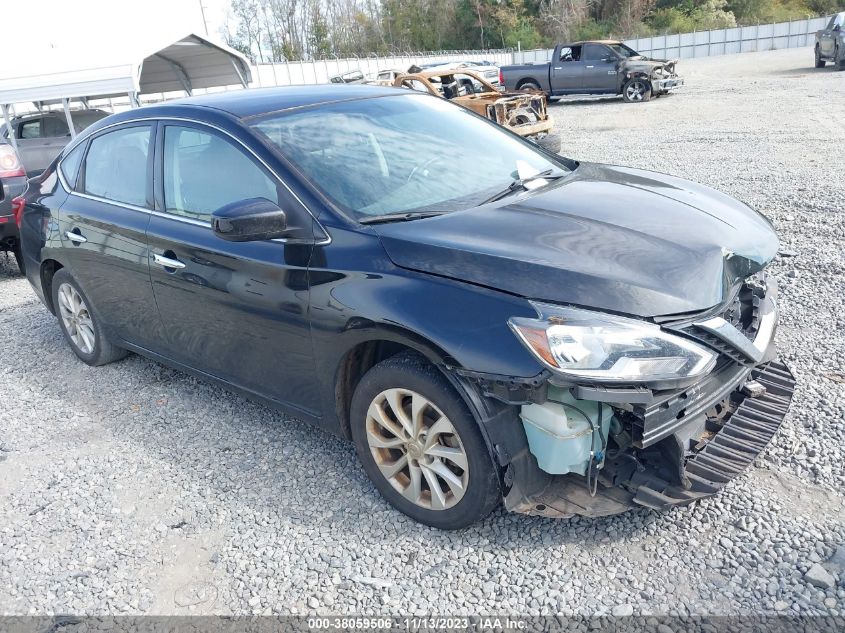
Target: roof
{"type": "Point", "coordinates": [258, 101]}
{"type": "Point", "coordinates": [189, 62]}
{"type": "Point", "coordinates": [594, 42]}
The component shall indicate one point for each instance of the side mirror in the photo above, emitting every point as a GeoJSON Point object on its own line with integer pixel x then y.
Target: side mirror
{"type": "Point", "coordinates": [836, 27]}
{"type": "Point", "coordinates": [251, 220]}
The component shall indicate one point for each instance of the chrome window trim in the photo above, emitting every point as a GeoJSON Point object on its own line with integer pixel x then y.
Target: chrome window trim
{"type": "Point", "coordinates": [73, 192]}
{"type": "Point", "coordinates": [116, 203]}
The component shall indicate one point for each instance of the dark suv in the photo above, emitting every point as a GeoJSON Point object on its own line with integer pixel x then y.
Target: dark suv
{"type": "Point", "coordinates": [484, 319]}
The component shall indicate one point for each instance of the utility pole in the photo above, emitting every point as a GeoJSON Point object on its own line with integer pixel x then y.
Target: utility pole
{"type": "Point", "coordinates": [204, 23]}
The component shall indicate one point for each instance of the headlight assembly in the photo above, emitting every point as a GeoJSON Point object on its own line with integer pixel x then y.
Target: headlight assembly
{"type": "Point", "coordinates": [601, 348]}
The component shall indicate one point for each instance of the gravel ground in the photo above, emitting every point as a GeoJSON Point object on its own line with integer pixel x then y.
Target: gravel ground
{"type": "Point", "coordinates": [136, 489]}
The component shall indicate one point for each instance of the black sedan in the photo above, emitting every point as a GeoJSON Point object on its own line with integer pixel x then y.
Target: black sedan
{"type": "Point", "coordinates": [485, 320]}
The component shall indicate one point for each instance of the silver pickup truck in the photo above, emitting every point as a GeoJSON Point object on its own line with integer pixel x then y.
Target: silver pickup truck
{"type": "Point", "coordinates": [830, 43]}
{"type": "Point", "coordinates": [596, 67]}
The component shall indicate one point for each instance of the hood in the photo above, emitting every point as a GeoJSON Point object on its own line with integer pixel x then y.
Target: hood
{"type": "Point", "coordinates": [611, 238]}
{"type": "Point", "coordinates": [647, 64]}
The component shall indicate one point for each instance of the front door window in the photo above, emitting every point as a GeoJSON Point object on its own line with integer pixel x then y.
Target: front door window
{"type": "Point", "coordinates": [203, 172]}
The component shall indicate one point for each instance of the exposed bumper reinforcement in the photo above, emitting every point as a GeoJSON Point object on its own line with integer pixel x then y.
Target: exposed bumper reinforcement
{"type": "Point", "coordinates": [669, 473]}
{"type": "Point", "coordinates": [733, 448]}
{"type": "Point", "coordinates": [667, 84]}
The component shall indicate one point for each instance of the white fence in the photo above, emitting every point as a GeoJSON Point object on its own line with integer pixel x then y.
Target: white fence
{"type": "Point", "coordinates": [318, 72]}
{"type": "Point", "coordinates": [760, 37]}
{"type": "Point", "coordinates": [744, 39]}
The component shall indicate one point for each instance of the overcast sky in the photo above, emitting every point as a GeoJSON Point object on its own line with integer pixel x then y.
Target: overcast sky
{"type": "Point", "coordinates": [99, 24]}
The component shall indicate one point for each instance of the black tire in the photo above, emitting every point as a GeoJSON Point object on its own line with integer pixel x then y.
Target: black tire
{"type": "Point", "coordinates": [819, 61]}
{"type": "Point", "coordinates": [550, 142]}
{"type": "Point", "coordinates": [525, 86]}
{"type": "Point", "coordinates": [838, 58]}
{"type": "Point", "coordinates": [414, 373]}
{"type": "Point", "coordinates": [103, 351]}
{"type": "Point", "coordinates": [636, 90]}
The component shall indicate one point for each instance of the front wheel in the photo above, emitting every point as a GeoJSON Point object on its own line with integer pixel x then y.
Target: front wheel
{"type": "Point", "coordinates": [636, 90]}
{"type": "Point", "coordinates": [819, 61]}
{"type": "Point", "coordinates": [80, 324]}
{"type": "Point", "coordinates": [420, 445]}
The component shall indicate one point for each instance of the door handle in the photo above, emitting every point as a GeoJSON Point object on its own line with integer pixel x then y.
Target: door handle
{"type": "Point", "coordinates": [76, 237]}
{"type": "Point", "coordinates": [590, 66]}
{"type": "Point", "coordinates": [558, 67]}
{"type": "Point", "coordinates": [166, 262]}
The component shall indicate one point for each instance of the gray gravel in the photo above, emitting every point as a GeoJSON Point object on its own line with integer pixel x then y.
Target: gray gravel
{"type": "Point", "coordinates": [136, 489]}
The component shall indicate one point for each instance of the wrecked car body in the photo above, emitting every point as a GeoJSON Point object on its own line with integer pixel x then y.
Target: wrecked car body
{"type": "Point", "coordinates": [581, 443]}
{"type": "Point", "coordinates": [523, 114]}
{"type": "Point", "coordinates": [487, 322]}
{"type": "Point", "coordinates": [349, 77]}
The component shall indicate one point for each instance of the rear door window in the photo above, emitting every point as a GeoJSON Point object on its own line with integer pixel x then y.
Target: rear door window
{"type": "Point", "coordinates": [116, 166]}
{"type": "Point", "coordinates": [570, 54]}
{"type": "Point", "coordinates": [30, 129]}
{"type": "Point", "coordinates": [70, 164]}
{"type": "Point", "coordinates": [203, 172]}
{"type": "Point", "coordinates": [53, 127]}
{"type": "Point", "coordinates": [595, 52]}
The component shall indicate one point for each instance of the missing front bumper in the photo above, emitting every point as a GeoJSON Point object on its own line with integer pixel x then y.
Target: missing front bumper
{"type": "Point", "coordinates": [730, 450]}
{"type": "Point", "coordinates": [677, 470]}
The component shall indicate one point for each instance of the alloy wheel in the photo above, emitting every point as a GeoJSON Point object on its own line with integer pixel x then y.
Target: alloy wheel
{"type": "Point", "coordinates": [417, 449]}
{"type": "Point", "coordinates": [636, 91]}
{"type": "Point", "coordinates": [76, 318]}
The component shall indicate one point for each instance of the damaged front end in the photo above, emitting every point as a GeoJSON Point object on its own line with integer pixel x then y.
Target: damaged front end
{"type": "Point", "coordinates": [524, 114]}
{"type": "Point", "coordinates": [660, 73]}
{"type": "Point", "coordinates": [593, 448]}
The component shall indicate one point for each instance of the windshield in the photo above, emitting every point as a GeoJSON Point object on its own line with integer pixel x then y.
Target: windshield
{"type": "Point", "coordinates": [401, 154]}
{"type": "Point", "coordinates": [624, 51]}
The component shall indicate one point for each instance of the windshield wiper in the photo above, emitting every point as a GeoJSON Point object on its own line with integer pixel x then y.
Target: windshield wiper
{"type": "Point", "coordinates": [399, 217]}
{"type": "Point", "coordinates": [520, 183]}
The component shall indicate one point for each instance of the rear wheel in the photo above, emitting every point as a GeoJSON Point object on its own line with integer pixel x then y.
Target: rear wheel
{"type": "Point", "coordinates": [819, 61]}
{"type": "Point", "coordinates": [420, 445]}
{"type": "Point", "coordinates": [636, 90]}
{"type": "Point", "coordinates": [80, 324]}
{"type": "Point", "coordinates": [528, 86]}
{"type": "Point", "coordinates": [839, 58]}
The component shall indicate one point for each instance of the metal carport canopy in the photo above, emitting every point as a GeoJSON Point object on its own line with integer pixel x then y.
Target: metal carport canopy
{"type": "Point", "coordinates": [183, 65]}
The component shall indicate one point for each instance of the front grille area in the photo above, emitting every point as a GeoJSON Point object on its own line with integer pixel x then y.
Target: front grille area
{"type": "Point", "coordinates": [671, 410]}
{"type": "Point", "coordinates": [742, 311]}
